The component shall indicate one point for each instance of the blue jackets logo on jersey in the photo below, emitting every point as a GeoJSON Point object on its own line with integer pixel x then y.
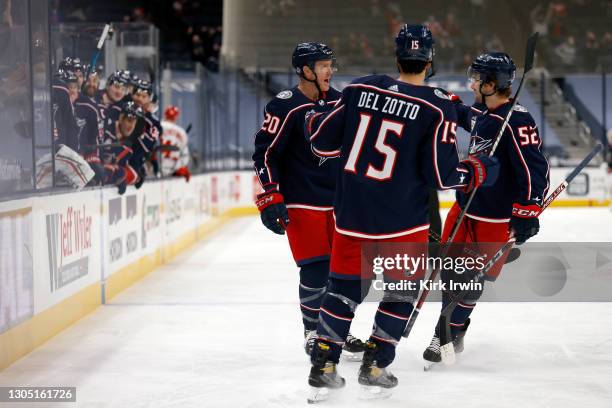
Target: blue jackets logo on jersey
{"type": "Point", "coordinates": [480, 145]}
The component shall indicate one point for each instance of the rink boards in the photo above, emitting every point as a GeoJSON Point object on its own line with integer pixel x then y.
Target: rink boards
{"type": "Point", "coordinates": [63, 255]}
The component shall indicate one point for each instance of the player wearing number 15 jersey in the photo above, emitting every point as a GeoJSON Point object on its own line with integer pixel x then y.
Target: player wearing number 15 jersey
{"type": "Point", "coordinates": [298, 186]}
{"type": "Point", "coordinates": [395, 139]}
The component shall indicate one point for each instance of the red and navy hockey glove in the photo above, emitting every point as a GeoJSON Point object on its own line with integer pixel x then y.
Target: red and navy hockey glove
{"type": "Point", "coordinates": [273, 211]}
{"type": "Point", "coordinates": [524, 223]}
{"type": "Point", "coordinates": [483, 171]}
{"type": "Point", "coordinates": [453, 98]}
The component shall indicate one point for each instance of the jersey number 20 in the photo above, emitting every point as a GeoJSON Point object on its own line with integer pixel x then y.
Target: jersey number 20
{"type": "Point", "coordinates": [387, 126]}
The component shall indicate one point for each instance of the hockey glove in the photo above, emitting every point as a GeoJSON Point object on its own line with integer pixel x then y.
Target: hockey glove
{"type": "Point", "coordinates": [273, 212]}
{"type": "Point", "coordinates": [483, 171]}
{"type": "Point", "coordinates": [453, 98]}
{"type": "Point", "coordinates": [524, 223]}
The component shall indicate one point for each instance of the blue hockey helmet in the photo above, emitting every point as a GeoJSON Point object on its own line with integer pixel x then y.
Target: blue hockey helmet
{"type": "Point", "coordinates": [495, 67]}
{"type": "Point", "coordinates": [131, 110]}
{"type": "Point", "coordinates": [308, 53]}
{"type": "Point", "coordinates": [116, 78]}
{"type": "Point", "coordinates": [414, 43]}
{"type": "Point", "coordinates": [67, 76]}
{"type": "Point", "coordinates": [65, 64]}
{"type": "Point", "coordinates": [143, 86]}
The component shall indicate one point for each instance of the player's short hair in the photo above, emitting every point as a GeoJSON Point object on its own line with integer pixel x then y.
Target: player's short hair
{"type": "Point", "coordinates": [505, 93]}
{"type": "Point", "coordinates": [412, 66]}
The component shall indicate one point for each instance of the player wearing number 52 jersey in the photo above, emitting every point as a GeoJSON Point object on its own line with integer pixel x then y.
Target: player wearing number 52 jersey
{"type": "Point", "coordinates": [298, 186]}
{"type": "Point", "coordinates": [395, 139]}
{"type": "Point", "coordinates": [512, 204]}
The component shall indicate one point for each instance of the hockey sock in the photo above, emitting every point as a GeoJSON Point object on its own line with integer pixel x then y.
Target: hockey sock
{"type": "Point", "coordinates": [462, 312]}
{"type": "Point", "coordinates": [337, 312]}
{"type": "Point", "coordinates": [389, 324]}
{"type": "Point", "coordinates": [313, 282]}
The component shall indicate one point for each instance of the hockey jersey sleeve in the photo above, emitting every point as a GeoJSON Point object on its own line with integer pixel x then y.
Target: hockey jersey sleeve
{"type": "Point", "coordinates": [271, 140]}
{"type": "Point", "coordinates": [466, 114]}
{"type": "Point", "coordinates": [440, 158]}
{"type": "Point", "coordinates": [66, 130]}
{"type": "Point", "coordinates": [325, 130]}
{"type": "Point", "coordinates": [529, 165]}
{"type": "Point", "coordinates": [88, 114]}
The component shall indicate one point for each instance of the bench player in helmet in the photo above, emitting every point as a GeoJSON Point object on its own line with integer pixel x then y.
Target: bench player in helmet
{"type": "Point", "coordinates": [511, 206]}
{"type": "Point", "coordinates": [110, 100]}
{"type": "Point", "coordinates": [117, 152]}
{"type": "Point", "coordinates": [298, 186]}
{"type": "Point", "coordinates": [146, 135]}
{"type": "Point", "coordinates": [88, 120]}
{"type": "Point", "coordinates": [395, 139]}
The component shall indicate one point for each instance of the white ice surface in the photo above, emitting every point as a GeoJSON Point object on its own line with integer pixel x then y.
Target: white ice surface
{"type": "Point", "coordinates": [220, 327]}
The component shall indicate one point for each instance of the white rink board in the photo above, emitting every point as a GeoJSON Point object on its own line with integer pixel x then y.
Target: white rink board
{"type": "Point", "coordinates": [119, 230]}
{"type": "Point", "coordinates": [66, 246]}
{"type": "Point", "coordinates": [590, 184]}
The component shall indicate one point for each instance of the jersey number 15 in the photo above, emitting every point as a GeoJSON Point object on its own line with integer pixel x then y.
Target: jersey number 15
{"type": "Point", "coordinates": [386, 126]}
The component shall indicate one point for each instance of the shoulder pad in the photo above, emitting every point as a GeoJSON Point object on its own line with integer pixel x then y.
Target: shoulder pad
{"type": "Point", "coordinates": [520, 108]}
{"type": "Point", "coordinates": [286, 94]}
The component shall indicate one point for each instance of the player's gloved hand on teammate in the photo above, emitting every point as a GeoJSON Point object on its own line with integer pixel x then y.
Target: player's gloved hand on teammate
{"type": "Point", "coordinates": [483, 171]}
{"type": "Point", "coordinates": [524, 223]}
{"type": "Point", "coordinates": [273, 211]}
{"type": "Point", "coordinates": [453, 98]}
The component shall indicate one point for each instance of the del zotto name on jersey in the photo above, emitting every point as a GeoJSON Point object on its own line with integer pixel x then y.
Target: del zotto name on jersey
{"type": "Point", "coordinates": [388, 104]}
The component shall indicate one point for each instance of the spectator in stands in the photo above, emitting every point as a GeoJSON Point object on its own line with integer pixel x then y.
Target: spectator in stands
{"type": "Point", "coordinates": [566, 51]}
{"type": "Point", "coordinates": [606, 43]}
{"type": "Point", "coordinates": [558, 20]}
{"type": "Point", "coordinates": [494, 44]}
{"type": "Point", "coordinates": [590, 50]}
{"type": "Point", "coordinates": [450, 24]}
{"type": "Point", "coordinates": [540, 19]}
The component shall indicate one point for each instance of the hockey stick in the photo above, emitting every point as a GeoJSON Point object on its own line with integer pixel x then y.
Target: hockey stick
{"type": "Point", "coordinates": [107, 32]}
{"type": "Point", "coordinates": [515, 253]}
{"type": "Point", "coordinates": [529, 54]}
{"type": "Point", "coordinates": [448, 357]}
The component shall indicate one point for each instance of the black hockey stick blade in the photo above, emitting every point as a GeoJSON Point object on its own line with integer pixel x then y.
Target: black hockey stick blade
{"type": "Point", "coordinates": [188, 128]}
{"type": "Point", "coordinates": [530, 51]}
{"type": "Point", "coordinates": [513, 255]}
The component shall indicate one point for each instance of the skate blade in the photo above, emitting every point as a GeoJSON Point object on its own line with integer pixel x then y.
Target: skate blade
{"type": "Point", "coordinates": [429, 365]}
{"type": "Point", "coordinates": [374, 392]}
{"type": "Point", "coordinates": [318, 394]}
{"type": "Point", "coordinates": [355, 357]}
{"type": "Point", "coordinates": [447, 352]}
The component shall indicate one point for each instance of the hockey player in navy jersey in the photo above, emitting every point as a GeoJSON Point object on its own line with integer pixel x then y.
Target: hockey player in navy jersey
{"type": "Point", "coordinates": [148, 130]}
{"type": "Point", "coordinates": [395, 139]}
{"type": "Point", "coordinates": [511, 206]}
{"type": "Point", "coordinates": [298, 186]}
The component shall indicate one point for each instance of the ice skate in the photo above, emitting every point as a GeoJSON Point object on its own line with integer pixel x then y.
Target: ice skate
{"type": "Point", "coordinates": [376, 382]}
{"type": "Point", "coordinates": [353, 348]}
{"type": "Point", "coordinates": [433, 354]}
{"type": "Point", "coordinates": [323, 378]}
